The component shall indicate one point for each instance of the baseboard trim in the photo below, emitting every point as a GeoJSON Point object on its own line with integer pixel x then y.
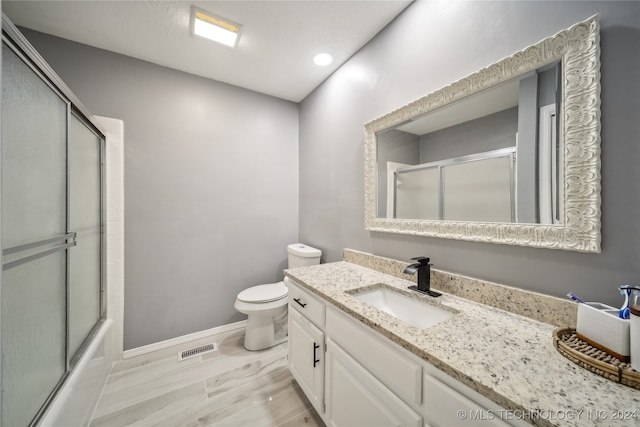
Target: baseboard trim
{"type": "Point", "coordinates": [182, 339]}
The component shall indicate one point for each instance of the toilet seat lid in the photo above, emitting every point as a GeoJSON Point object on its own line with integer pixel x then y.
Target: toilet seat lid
{"type": "Point", "coordinates": [264, 293]}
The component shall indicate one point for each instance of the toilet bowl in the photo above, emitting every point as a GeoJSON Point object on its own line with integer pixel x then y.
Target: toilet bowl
{"type": "Point", "coordinates": [266, 310]}
{"type": "Point", "coordinates": [266, 305]}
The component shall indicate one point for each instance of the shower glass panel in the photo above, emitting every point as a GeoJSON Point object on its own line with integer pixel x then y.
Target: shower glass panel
{"type": "Point", "coordinates": [33, 331]}
{"type": "Point", "coordinates": [477, 187]}
{"type": "Point", "coordinates": [479, 191]}
{"type": "Point", "coordinates": [85, 220]}
{"type": "Point", "coordinates": [417, 194]}
{"type": "Point", "coordinates": [34, 199]}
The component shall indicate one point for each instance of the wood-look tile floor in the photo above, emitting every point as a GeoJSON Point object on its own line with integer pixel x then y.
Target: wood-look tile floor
{"type": "Point", "coordinates": [228, 387]}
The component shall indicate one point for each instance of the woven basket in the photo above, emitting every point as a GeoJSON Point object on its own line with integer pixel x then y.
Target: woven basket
{"type": "Point", "coordinates": [594, 359]}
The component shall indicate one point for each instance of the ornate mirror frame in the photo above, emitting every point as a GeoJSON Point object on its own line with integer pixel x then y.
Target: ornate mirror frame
{"type": "Point", "coordinates": [578, 47]}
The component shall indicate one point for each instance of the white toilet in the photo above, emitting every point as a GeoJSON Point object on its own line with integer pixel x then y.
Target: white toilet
{"type": "Point", "coordinates": [266, 305]}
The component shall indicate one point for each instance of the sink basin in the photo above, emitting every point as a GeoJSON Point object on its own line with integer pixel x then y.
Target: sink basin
{"type": "Point", "coordinates": [412, 311]}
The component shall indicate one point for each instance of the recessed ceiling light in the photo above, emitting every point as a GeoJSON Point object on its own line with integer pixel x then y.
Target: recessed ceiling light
{"type": "Point", "coordinates": [216, 28]}
{"type": "Point", "coordinates": [322, 59]}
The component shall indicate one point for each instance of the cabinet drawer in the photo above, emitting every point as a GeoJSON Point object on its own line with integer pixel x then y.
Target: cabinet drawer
{"type": "Point", "coordinates": [398, 372]}
{"type": "Point", "coordinates": [308, 305]}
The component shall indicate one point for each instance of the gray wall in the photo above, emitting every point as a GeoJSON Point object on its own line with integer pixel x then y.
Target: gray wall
{"type": "Point", "coordinates": [394, 146]}
{"type": "Point", "coordinates": [211, 186]}
{"type": "Point", "coordinates": [528, 150]}
{"type": "Point", "coordinates": [431, 45]}
{"type": "Point", "coordinates": [492, 132]}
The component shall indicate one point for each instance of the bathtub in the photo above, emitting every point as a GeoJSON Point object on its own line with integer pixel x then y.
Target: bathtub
{"type": "Point", "coordinates": [75, 402]}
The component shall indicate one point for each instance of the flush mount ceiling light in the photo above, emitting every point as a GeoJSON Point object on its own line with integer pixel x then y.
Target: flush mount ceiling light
{"type": "Point", "coordinates": [322, 59]}
{"type": "Point", "coordinates": [212, 27]}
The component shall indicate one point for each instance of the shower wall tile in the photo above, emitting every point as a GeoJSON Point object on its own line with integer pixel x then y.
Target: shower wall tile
{"type": "Point", "coordinates": [114, 166]}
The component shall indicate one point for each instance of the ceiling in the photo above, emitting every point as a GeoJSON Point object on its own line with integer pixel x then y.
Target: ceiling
{"type": "Point", "coordinates": [488, 101]}
{"type": "Point", "coordinates": [273, 56]}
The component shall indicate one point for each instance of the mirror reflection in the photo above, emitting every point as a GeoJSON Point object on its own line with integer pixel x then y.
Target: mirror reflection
{"type": "Point", "coordinates": [494, 156]}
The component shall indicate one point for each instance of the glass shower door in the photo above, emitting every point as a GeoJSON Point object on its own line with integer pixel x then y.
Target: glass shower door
{"type": "Point", "coordinates": [34, 239]}
{"type": "Point", "coordinates": [84, 299]}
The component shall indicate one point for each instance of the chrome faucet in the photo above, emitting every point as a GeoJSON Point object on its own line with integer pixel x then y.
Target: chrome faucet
{"type": "Point", "coordinates": [424, 276]}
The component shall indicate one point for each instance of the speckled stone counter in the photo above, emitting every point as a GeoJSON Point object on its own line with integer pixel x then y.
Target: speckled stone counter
{"type": "Point", "coordinates": [545, 308]}
{"type": "Point", "coordinates": [506, 357]}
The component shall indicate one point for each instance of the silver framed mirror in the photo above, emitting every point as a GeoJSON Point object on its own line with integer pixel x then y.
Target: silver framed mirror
{"type": "Point", "coordinates": [509, 154]}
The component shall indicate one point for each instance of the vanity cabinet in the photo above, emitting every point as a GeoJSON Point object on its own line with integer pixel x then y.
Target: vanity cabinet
{"type": "Point", "coordinates": [306, 344]}
{"type": "Point", "coordinates": [363, 379]}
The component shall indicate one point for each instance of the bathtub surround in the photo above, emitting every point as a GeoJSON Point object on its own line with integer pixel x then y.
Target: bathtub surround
{"type": "Point", "coordinates": [75, 402]}
{"type": "Point", "coordinates": [61, 210]}
{"type": "Point", "coordinates": [114, 169]}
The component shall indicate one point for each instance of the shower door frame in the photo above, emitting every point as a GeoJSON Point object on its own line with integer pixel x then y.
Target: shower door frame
{"type": "Point", "coordinates": [16, 41]}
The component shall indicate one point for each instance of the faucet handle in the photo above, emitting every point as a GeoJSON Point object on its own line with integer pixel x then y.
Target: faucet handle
{"type": "Point", "coordinates": [421, 259]}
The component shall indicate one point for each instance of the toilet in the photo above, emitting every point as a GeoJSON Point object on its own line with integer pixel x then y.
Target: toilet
{"type": "Point", "coordinates": [266, 305]}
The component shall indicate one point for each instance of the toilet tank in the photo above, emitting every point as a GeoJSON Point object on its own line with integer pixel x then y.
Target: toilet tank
{"type": "Point", "coordinates": [302, 255]}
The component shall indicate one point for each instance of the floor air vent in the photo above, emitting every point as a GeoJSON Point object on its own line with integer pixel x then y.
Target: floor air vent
{"type": "Point", "coordinates": [207, 348]}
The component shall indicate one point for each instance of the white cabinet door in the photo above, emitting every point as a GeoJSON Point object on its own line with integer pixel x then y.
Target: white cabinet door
{"type": "Point", "coordinates": [356, 398]}
{"type": "Point", "coordinates": [447, 407]}
{"type": "Point", "coordinates": [306, 357]}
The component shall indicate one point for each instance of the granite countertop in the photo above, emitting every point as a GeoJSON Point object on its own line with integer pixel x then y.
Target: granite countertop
{"type": "Point", "coordinates": [506, 357]}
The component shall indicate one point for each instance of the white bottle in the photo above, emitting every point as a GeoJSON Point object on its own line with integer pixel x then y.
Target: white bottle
{"type": "Point", "coordinates": [634, 339]}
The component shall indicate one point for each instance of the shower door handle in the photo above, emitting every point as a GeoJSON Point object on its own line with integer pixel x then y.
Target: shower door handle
{"type": "Point", "coordinates": [69, 241]}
